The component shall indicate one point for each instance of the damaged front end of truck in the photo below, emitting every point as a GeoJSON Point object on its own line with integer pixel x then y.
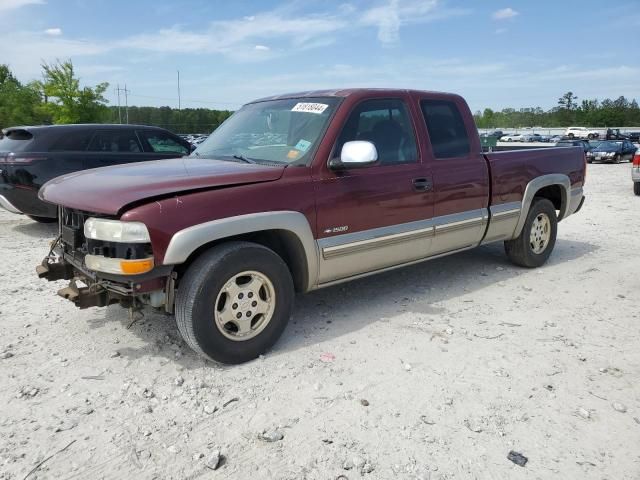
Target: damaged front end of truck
{"type": "Point", "coordinates": [106, 261]}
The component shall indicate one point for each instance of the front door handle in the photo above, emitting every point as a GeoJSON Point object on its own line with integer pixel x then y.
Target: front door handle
{"type": "Point", "coordinates": [422, 184]}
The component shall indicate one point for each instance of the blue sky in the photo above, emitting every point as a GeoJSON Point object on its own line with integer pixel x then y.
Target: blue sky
{"type": "Point", "coordinates": [497, 54]}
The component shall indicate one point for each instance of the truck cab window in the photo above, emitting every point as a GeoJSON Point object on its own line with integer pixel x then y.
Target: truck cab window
{"type": "Point", "coordinates": [386, 124]}
{"type": "Point", "coordinates": [448, 135]}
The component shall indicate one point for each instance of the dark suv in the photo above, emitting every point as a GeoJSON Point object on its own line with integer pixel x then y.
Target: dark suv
{"type": "Point", "coordinates": [30, 156]}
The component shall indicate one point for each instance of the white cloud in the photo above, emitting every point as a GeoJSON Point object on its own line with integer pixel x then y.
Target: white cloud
{"type": "Point", "coordinates": [25, 64]}
{"type": "Point", "coordinates": [6, 5]}
{"type": "Point", "coordinates": [500, 31]}
{"type": "Point", "coordinates": [232, 36]}
{"type": "Point", "coordinates": [504, 14]}
{"type": "Point", "coordinates": [54, 32]}
{"type": "Point", "coordinates": [262, 48]}
{"type": "Point", "coordinates": [392, 15]}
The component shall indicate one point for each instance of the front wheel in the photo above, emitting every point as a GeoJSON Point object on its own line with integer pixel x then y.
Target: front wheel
{"type": "Point", "coordinates": [234, 302]}
{"type": "Point", "coordinates": [535, 243]}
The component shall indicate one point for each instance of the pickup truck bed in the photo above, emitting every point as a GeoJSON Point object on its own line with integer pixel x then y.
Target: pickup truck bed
{"type": "Point", "coordinates": [300, 192]}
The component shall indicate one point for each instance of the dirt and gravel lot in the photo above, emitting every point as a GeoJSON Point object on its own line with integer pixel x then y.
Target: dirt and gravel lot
{"type": "Point", "coordinates": [436, 371]}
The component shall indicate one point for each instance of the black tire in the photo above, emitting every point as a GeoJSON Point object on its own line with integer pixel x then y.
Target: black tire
{"type": "Point", "coordinates": [636, 188]}
{"type": "Point", "coordinates": [571, 136]}
{"type": "Point", "coordinates": [519, 250]}
{"type": "Point", "coordinates": [590, 137]}
{"type": "Point", "coordinates": [198, 292]}
{"type": "Point", "coordinates": [43, 219]}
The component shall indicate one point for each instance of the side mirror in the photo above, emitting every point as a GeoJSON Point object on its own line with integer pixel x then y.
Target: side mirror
{"type": "Point", "coordinates": [355, 154]}
{"type": "Point", "coordinates": [192, 148]}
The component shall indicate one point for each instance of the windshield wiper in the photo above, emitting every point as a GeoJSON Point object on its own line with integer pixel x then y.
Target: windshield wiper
{"type": "Point", "coordinates": [243, 158]}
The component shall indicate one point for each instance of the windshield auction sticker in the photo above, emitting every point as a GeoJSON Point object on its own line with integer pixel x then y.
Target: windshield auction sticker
{"type": "Point", "coordinates": [310, 107]}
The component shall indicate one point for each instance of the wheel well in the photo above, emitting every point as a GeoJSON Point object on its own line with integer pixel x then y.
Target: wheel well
{"type": "Point", "coordinates": [553, 193]}
{"type": "Point", "coordinates": [283, 242]}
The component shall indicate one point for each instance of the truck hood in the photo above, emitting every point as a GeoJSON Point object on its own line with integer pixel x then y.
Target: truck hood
{"type": "Point", "coordinates": [108, 190]}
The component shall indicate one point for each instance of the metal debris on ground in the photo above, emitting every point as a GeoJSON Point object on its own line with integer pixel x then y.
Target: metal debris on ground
{"type": "Point", "coordinates": [271, 436]}
{"type": "Point", "coordinates": [517, 458]}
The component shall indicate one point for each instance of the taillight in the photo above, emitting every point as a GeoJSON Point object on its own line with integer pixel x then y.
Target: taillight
{"type": "Point", "coordinates": [14, 159]}
{"type": "Point", "coordinates": [636, 160]}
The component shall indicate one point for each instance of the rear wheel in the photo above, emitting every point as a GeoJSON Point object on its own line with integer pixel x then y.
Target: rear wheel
{"type": "Point", "coordinates": [43, 219]}
{"type": "Point", "coordinates": [571, 136]}
{"type": "Point", "coordinates": [234, 302]}
{"type": "Point", "coordinates": [636, 188]}
{"type": "Point", "coordinates": [535, 243]}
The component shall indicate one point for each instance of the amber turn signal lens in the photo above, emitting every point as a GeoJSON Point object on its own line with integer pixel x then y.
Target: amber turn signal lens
{"type": "Point", "coordinates": [135, 267]}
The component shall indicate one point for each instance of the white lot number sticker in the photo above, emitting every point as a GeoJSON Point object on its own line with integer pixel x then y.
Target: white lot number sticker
{"type": "Point", "coordinates": [310, 107]}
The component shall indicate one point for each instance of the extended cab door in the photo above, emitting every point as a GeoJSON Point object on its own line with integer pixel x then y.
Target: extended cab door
{"type": "Point", "coordinates": [460, 173]}
{"type": "Point", "coordinates": [378, 216]}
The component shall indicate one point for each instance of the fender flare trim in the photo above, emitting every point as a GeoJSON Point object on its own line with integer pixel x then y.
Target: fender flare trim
{"type": "Point", "coordinates": [186, 241]}
{"type": "Point", "coordinates": [534, 186]}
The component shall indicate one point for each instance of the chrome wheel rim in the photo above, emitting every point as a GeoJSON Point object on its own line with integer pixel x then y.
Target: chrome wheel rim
{"type": "Point", "coordinates": [244, 306]}
{"type": "Point", "coordinates": [540, 233]}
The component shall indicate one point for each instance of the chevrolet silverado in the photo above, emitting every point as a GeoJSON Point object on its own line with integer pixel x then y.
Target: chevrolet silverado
{"type": "Point", "coordinates": [298, 192]}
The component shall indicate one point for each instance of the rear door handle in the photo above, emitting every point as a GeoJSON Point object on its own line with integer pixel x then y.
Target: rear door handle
{"type": "Point", "coordinates": [422, 184]}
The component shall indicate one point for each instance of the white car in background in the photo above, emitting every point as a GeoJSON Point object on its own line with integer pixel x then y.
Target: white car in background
{"type": "Point", "coordinates": [581, 132]}
{"type": "Point", "coordinates": [511, 137]}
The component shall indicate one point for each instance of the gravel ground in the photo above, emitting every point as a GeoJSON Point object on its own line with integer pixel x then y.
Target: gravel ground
{"type": "Point", "coordinates": [436, 371]}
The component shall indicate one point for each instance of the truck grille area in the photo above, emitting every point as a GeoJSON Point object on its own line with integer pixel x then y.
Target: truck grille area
{"type": "Point", "coordinates": [74, 241]}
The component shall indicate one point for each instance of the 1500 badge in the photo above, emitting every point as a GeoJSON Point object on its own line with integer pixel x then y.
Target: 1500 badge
{"type": "Point", "coordinates": [341, 229]}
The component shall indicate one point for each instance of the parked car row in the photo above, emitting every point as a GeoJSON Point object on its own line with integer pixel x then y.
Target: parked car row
{"type": "Point", "coordinates": [571, 133]}
{"type": "Point", "coordinates": [194, 138]}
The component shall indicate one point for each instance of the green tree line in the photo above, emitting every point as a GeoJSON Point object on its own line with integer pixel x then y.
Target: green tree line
{"type": "Point", "coordinates": [620, 112]}
{"type": "Point", "coordinates": [187, 120]}
{"type": "Point", "coordinates": [59, 98]}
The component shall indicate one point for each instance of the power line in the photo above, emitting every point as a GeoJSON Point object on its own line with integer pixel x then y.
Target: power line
{"type": "Point", "coordinates": [126, 102]}
{"type": "Point", "coordinates": [187, 100]}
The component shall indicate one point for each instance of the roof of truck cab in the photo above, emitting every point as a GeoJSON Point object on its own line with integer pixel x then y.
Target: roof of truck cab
{"type": "Point", "coordinates": [346, 92]}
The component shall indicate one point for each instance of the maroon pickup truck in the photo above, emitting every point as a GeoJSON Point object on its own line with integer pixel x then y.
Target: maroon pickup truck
{"type": "Point", "coordinates": [298, 192]}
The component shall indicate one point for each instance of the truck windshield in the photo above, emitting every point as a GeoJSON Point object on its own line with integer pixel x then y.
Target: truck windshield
{"type": "Point", "coordinates": [276, 131]}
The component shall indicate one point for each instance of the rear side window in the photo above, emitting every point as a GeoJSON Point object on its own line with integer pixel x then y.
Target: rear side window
{"type": "Point", "coordinates": [386, 124]}
{"type": "Point", "coordinates": [71, 142]}
{"type": "Point", "coordinates": [123, 141]}
{"type": "Point", "coordinates": [449, 138]}
{"type": "Point", "coordinates": [163, 142]}
{"type": "Point", "coordinates": [15, 141]}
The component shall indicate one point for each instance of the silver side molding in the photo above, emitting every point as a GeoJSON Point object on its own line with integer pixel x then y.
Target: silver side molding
{"type": "Point", "coordinates": [186, 241]}
{"type": "Point", "coordinates": [375, 238]}
{"type": "Point", "coordinates": [503, 221]}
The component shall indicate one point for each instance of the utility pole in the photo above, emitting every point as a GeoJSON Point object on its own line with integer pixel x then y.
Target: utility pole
{"type": "Point", "coordinates": [178, 90]}
{"type": "Point", "coordinates": [119, 113]}
{"type": "Point", "coordinates": [126, 102]}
